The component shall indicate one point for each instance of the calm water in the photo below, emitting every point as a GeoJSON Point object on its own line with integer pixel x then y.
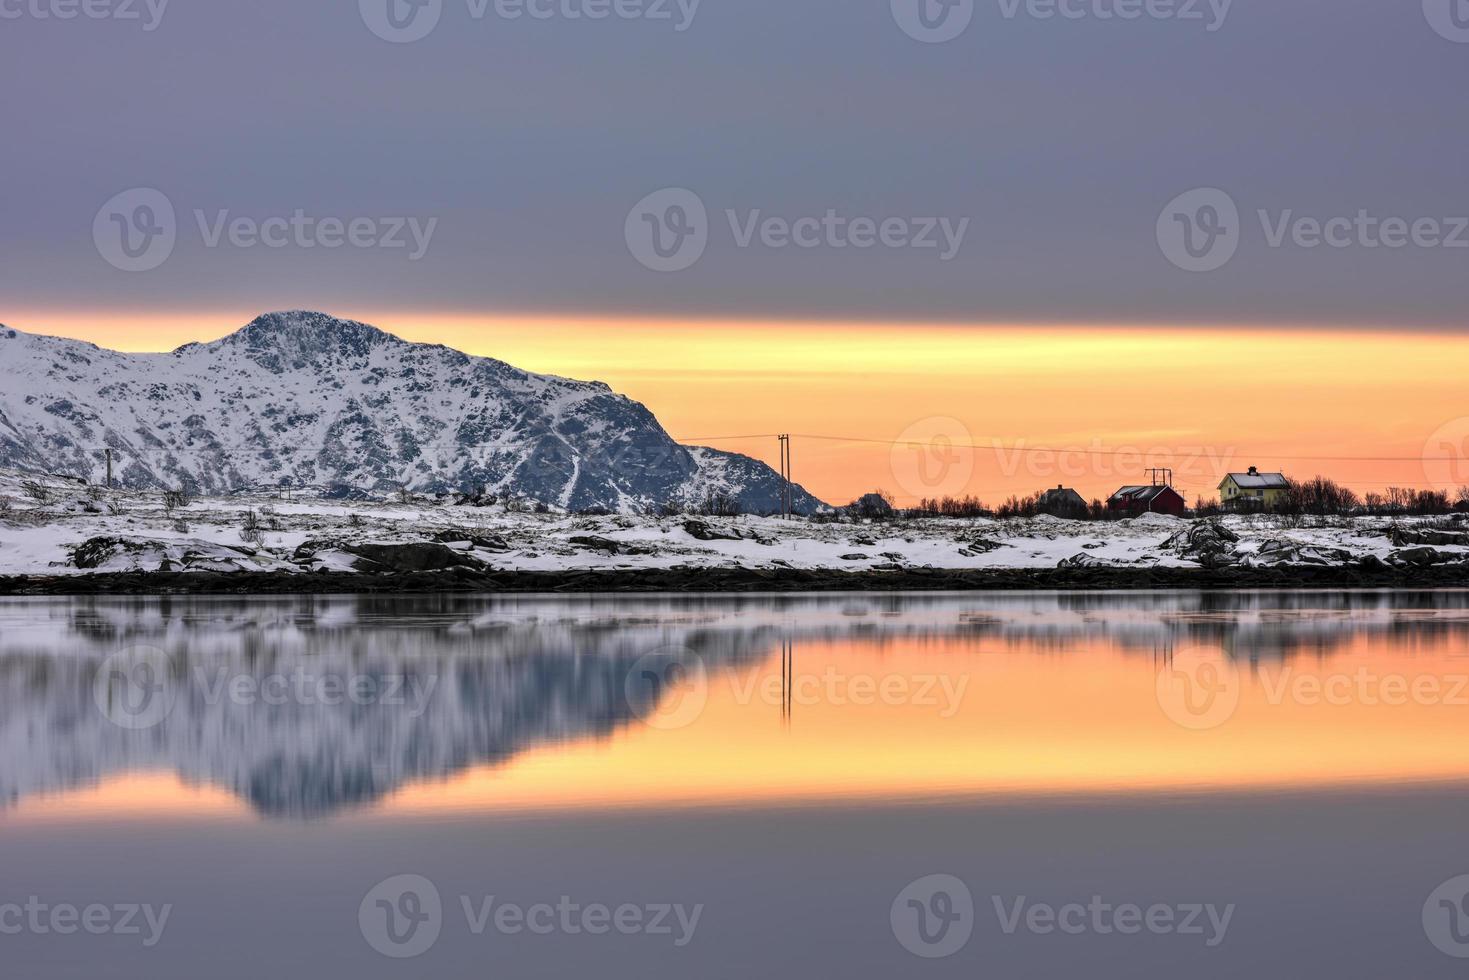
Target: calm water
{"type": "Point", "coordinates": [1017, 785]}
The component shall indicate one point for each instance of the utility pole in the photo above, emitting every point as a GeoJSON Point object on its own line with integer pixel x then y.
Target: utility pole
{"type": "Point", "coordinates": [787, 499]}
{"type": "Point", "coordinates": [109, 467]}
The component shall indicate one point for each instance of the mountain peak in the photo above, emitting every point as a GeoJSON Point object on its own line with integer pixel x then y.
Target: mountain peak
{"type": "Point", "coordinates": [300, 336]}
{"type": "Point", "coordinates": [305, 323]}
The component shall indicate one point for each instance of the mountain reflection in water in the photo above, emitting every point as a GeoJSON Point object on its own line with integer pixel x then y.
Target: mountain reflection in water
{"type": "Point", "coordinates": [455, 683]}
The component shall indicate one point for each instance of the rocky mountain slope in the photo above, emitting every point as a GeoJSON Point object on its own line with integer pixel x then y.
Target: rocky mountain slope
{"type": "Point", "coordinates": [309, 400]}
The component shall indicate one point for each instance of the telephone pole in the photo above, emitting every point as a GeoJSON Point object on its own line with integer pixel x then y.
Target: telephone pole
{"type": "Point", "coordinates": [109, 467]}
{"type": "Point", "coordinates": [787, 499]}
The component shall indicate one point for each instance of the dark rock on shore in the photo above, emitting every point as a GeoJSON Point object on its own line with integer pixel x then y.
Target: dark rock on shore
{"type": "Point", "coordinates": [1207, 542]}
{"type": "Point", "coordinates": [462, 578]}
{"type": "Point", "coordinates": [421, 556]}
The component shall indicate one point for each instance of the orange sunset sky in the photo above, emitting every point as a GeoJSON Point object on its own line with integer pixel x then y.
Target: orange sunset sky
{"type": "Point", "coordinates": [1390, 406]}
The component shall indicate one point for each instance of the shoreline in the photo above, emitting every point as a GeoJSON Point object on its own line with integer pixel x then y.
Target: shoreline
{"type": "Point", "coordinates": [738, 580]}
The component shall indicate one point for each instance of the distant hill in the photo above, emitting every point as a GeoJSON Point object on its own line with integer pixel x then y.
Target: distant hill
{"type": "Point", "coordinates": [315, 401]}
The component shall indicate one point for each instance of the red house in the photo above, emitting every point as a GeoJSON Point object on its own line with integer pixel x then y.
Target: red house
{"type": "Point", "coordinates": [1158, 498]}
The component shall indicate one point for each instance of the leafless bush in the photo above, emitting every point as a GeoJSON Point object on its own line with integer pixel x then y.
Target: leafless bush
{"type": "Point", "coordinates": [969, 506]}
{"type": "Point", "coordinates": [174, 499]}
{"type": "Point", "coordinates": [251, 531]}
{"type": "Point", "coordinates": [36, 490]}
{"type": "Point", "coordinates": [719, 505]}
{"type": "Point", "coordinates": [181, 526]}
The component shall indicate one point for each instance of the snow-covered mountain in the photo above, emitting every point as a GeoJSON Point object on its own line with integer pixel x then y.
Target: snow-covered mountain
{"type": "Point", "coordinates": [314, 401]}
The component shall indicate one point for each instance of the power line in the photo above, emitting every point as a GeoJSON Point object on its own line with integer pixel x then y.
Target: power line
{"type": "Point", "coordinates": [1076, 450]}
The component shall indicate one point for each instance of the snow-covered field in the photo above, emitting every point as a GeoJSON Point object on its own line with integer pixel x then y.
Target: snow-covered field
{"type": "Point", "coordinates": [127, 531]}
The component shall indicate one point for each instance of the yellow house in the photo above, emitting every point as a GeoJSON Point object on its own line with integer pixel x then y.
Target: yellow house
{"type": "Point", "coordinates": [1253, 490]}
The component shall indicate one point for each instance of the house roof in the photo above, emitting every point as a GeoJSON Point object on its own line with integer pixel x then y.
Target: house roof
{"type": "Point", "coordinates": [1257, 481]}
{"type": "Point", "coordinates": [1141, 494]}
{"type": "Point", "coordinates": [1062, 495]}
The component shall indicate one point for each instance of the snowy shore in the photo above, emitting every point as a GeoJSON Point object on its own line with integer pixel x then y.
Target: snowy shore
{"type": "Point", "coordinates": [63, 529]}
